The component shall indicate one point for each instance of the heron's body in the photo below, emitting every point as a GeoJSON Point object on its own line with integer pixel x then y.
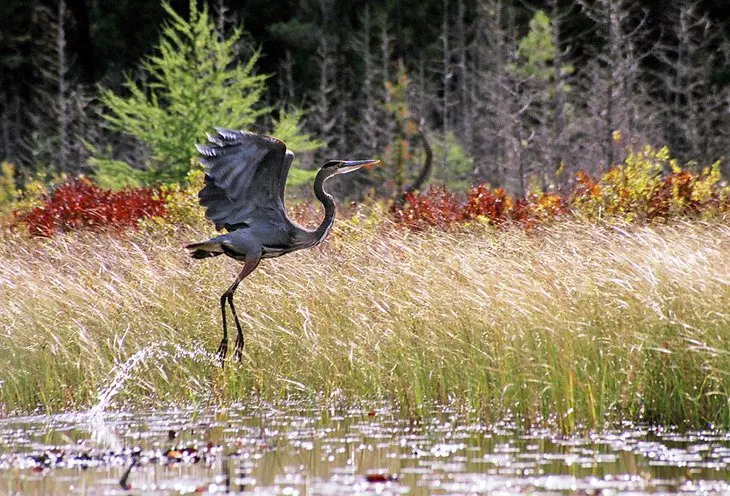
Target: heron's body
{"type": "Point", "coordinates": [269, 242]}
{"type": "Point", "coordinates": [244, 194]}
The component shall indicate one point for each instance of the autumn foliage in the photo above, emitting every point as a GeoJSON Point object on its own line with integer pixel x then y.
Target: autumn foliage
{"type": "Point", "coordinates": [438, 207]}
{"type": "Point", "coordinates": [81, 204]}
{"type": "Point", "coordinates": [648, 187]}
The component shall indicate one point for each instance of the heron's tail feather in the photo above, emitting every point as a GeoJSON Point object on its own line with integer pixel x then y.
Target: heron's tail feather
{"type": "Point", "coordinates": [205, 249]}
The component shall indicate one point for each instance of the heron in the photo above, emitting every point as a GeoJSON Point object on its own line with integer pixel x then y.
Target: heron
{"type": "Point", "coordinates": [243, 194]}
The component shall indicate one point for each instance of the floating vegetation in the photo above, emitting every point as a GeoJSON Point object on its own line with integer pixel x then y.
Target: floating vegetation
{"type": "Point", "coordinates": [297, 448]}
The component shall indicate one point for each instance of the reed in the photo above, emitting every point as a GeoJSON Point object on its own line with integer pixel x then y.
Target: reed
{"type": "Point", "coordinates": [572, 324]}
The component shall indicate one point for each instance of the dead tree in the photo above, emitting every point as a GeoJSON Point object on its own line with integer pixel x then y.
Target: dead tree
{"type": "Point", "coordinates": [370, 108]}
{"type": "Point", "coordinates": [694, 115]}
{"type": "Point", "coordinates": [466, 106]}
{"type": "Point", "coordinates": [446, 79]}
{"type": "Point", "coordinates": [500, 109]}
{"type": "Point", "coordinates": [58, 110]}
{"type": "Point", "coordinates": [616, 86]}
{"type": "Point", "coordinates": [427, 166]}
{"type": "Point", "coordinates": [324, 117]}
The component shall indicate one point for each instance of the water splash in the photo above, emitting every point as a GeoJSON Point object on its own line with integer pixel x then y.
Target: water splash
{"type": "Point", "coordinates": [101, 432]}
{"type": "Point", "coordinates": [122, 372]}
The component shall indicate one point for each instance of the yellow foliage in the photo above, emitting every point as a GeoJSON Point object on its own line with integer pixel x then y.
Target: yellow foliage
{"type": "Point", "coordinates": [31, 197]}
{"type": "Point", "coordinates": [707, 182]}
{"type": "Point", "coordinates": [8, 192]}
{"type": "Point", "coordinates": [181, 203]}
{"type": "Point", "coordinates": [627, 188]}
{"type": "Point", "coordinates": [651, 185]}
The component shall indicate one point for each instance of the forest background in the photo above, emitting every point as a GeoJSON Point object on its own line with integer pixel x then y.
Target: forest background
{"type": "Point", "coordinates": [517, 94]}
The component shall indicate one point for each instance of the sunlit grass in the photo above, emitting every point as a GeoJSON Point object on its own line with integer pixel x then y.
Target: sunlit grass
{"type": "Point", "coordinates": [570, 324]}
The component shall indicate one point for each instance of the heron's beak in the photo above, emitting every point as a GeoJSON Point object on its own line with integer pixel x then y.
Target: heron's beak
{"type": "Point", "coordinates": [353, 165]}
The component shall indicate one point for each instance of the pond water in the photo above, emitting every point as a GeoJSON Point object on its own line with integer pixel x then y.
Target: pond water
{"type": "Point", "coordinates": [296, 449]}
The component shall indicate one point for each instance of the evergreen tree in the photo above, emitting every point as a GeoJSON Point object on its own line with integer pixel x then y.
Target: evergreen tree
{"type": "Point", "coordinates": [191, 84]}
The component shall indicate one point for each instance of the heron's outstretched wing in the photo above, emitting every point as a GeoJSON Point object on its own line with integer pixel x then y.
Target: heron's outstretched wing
{"type": "Point", "coordinates": [245, 174]}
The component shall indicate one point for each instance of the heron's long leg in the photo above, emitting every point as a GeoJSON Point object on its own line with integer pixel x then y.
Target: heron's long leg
{"type": "Point", "coordinates": [223, 347]}
{"type": "Point", "coordinates": [239, 336]}
{"type": "Point", "coordinates": [248, 267]}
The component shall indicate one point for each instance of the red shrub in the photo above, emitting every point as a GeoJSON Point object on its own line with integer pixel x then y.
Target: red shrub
{"type": "Point", "coordinates": [674, 193]}
{"type": "Point", "coordinates": [586, 191]}
{"type": "Point", "coordinates": [437, 207]}
{"type": "Point", "coordinates": [585, 186]}
{"type": "Point", "coordinates": [482, 202]}
{"type": "Point", "coordinates": [80, 204]}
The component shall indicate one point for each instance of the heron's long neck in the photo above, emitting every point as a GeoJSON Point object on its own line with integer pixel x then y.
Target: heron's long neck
{"type": "Point", "coordinates": [319, 234]}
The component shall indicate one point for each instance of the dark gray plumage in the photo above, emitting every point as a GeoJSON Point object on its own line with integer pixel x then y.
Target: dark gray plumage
{"type": "Point", "coordinates": [245, 178]}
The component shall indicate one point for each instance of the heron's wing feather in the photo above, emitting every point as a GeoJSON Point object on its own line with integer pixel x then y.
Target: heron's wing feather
{"type": "Point", "coordinates": [245, 174]}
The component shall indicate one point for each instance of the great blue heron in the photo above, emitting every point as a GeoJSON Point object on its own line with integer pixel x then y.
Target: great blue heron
{"type": "Point", "coordinates": [245, 175]}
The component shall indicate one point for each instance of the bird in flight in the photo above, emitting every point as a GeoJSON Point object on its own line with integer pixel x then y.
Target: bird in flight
{"type": "Point", "coordinates": [245, 176]}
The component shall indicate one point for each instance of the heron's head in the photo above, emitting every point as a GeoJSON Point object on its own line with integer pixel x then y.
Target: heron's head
{"type": "Point", "coordinates": [345, 166]}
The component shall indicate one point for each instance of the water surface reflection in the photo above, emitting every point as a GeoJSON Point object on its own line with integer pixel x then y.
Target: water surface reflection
{"type": "Point", "coordinates": [290, 450]}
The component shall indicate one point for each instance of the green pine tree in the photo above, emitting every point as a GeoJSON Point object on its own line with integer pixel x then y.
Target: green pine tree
{"type": "Point", "coordinates": [192, 83]}
{"type": "Point", "coordinates": [288, 128]}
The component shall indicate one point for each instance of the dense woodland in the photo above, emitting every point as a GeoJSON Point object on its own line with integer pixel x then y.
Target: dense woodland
{"type": "Point", "coordinates": [516, 93]}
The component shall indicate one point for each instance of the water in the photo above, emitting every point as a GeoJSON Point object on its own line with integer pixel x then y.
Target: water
{"type": "Point", "coordinates": [298, 449]}
{"type": "Point", "coordinates": [123, 371]}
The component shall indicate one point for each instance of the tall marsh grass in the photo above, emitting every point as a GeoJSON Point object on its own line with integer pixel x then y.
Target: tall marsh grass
{"type": "Point", "coordinates": [571, 323]}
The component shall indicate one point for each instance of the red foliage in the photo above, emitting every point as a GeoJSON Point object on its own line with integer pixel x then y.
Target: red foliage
{"type": "Point", "coordinates": [585, 186]}
{"type": "Point", "coordinates": [538, 208]}
{"type": "Point", "coordinates": [380, 478]}
{"type": "Point", "coordinates": [437, 207]}
{"type": "Point", "coordinates": [482, 202]}
{"type": "Point", "coordinates": [81, 204]}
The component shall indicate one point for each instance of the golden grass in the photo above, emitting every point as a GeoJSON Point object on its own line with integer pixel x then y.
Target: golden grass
{"type": "Point", "coordinates": [571, 324]}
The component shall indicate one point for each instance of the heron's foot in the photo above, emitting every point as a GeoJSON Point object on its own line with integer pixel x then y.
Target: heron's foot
{"type": "Point", "coordinates": [239, 347]}
{"type": "Point", "coordinates": [222, 351]}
